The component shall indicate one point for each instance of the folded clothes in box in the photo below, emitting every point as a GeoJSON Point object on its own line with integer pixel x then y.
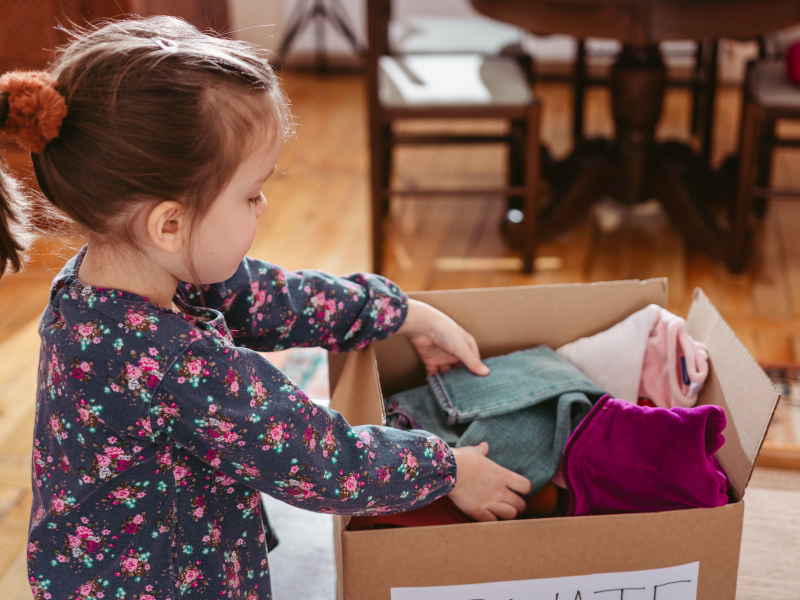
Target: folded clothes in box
{"type": "Point", "coordinates": [621, 458]}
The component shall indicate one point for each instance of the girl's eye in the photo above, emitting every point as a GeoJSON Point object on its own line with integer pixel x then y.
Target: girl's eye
{"type": "Point", "coordinates": [257, 199]}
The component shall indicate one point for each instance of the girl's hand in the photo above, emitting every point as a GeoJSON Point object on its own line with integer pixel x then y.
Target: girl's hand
{"type": "Point", "coordinates": [441, 343]}
{"type": "Point", "coordinates": [484, 490]}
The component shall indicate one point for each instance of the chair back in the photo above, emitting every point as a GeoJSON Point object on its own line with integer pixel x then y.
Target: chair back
{"type": "Point", "coordinates": [379, 13]}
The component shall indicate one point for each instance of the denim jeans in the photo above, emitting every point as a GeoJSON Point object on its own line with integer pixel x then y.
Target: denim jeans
{"type": "Point", "coordinates": [526, 409]}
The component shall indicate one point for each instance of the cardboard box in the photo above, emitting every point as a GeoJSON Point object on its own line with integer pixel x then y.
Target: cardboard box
{"type": "Point", "coordinates": [371, 563]}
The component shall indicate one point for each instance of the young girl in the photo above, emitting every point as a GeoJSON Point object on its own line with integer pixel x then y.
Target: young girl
{"type": "Point", "coordinates": [158, 424]}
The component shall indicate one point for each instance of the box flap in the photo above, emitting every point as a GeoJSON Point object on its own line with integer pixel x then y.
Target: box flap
{"type": "Point", "coordinates": [357, 395]}
{"type": "Point", "coordinates": [736, 383]}
{"type": "Point", "coordinates": [507, 319]}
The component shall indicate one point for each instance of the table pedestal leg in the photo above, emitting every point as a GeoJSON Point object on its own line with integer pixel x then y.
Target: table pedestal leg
{"type": "Point", "coordinates": [633, 168]}
{"type": "Point", "coordinates": [638, 82]}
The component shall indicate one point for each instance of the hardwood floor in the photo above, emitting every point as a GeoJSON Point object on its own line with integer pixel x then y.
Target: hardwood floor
{"type": "Point", "coordinates": [317, 217]}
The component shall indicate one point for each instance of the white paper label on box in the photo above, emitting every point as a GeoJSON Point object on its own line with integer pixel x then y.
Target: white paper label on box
{"type": "Point", "coordinates": [671, 583]}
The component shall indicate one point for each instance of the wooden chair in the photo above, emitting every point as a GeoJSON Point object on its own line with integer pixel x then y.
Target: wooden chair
{"type": "Point", "coordinates": [447, 86]}
{"type": "Point", "coordinates": [769, 95]}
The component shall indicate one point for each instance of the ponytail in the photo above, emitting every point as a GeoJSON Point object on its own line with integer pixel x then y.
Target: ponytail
{"type": "Point", "coordinates": [31, 111]}
{"type": "Point", "coordinates": [12, 245]}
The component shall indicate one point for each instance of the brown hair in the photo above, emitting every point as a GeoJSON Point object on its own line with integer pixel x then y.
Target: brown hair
{"type": "Point", "coordinates": [155, 110]}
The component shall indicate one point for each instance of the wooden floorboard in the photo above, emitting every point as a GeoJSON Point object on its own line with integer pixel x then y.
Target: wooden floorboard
{"type": "Point", "coordinates": [318, 217]}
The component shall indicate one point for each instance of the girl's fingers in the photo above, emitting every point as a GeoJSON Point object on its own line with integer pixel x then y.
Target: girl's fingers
{"type": "Point", "coordinates": [472, 346]}
{"type": "Point", "coordinates": [478, 367]}
{"type": "Point", "coordinates": [520, 484]}
{"type": "Point", "coordinates": [504, 511]}
{"type": "Point", "coordinates": [459, 346]}
{"type": "Point", "coordinates": [485, 515]}
{"type": "Point", "coordinates": [472, 361]}
{"type": "Point", "coordinates": [515, 500]}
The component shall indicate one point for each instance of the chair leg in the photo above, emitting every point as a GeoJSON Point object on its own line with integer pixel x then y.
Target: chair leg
{"type": "Point", "coordinates": [707, 118]}
{"type": "Point", "coordinates": [516, 163]}
{"type": "Point", "coordinates": [753, 117]}
{"type": "Point", "coordinates": [697, 86]}
{"type": "Point", "coordinates": [762, 47]}
{"type": "Point", "coordinates": [579, 92]}
{"type": "Point", "coordinates": [380, 167]}
{"type": "Point", "coordinates": [386, 180]}
{"type": "Point", "coordinates": [764, 166]}
{"type": "Point", "coordinates": [530, 211]}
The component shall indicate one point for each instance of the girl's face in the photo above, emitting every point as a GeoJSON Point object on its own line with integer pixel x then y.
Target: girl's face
{"type": "Point", "coordinates": [227, 231]}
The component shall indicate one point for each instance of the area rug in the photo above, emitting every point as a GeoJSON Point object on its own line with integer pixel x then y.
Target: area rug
{"type": "Point", "coordinates": [785, 427]}
{"type": "Point", "coordinates": [307, 367]}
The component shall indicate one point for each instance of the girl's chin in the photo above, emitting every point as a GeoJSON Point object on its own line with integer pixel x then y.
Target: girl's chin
{"type": "Point", "coordinates": [231, 272]}
{"type": "Point", "coordinates": [220, 274]}
{"type": "Point", "coordinates": [214, 278]}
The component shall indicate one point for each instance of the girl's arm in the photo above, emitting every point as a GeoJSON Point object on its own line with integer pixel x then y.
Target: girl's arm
{"type": "Point", "coordinates": [232, 409]}
{"type": "Point", "coordinates": [268, 308]}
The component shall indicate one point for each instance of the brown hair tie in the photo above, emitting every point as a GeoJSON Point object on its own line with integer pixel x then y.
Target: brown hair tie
{"type": "Point", "coordinates": [35, 108]}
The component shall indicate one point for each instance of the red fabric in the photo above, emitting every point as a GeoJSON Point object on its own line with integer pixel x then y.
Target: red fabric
{"type": "Point", "coordinates": [438, 512]}
{"type": "Point", "coordinates": [793, 63]}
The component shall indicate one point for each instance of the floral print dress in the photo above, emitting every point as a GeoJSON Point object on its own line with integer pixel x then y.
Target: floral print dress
{"type": "Point", "coordinates": [156, 430]}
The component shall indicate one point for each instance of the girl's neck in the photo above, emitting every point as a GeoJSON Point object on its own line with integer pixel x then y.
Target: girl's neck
{"type": "Point", "coordinates": [129, 271]}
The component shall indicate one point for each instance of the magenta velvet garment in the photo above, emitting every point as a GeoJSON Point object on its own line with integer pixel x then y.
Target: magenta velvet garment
{"type": "Point", "coordinates": [626, 458]}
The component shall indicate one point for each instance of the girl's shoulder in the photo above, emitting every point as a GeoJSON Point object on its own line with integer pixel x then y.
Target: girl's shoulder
{"type": "Point", "coordinates": [104, 322]}
{"type": "Point", "coordinates": [108, 351]}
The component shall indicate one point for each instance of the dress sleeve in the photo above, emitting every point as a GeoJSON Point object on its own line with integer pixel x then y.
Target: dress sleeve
{"type": "Point", "coordinates": [268, 308]}
{"type": "Point", "coordinates": [235, 411]}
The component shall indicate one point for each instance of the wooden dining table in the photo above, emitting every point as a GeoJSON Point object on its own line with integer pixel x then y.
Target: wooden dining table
{"type": "Point", "coordinates": [633, 167]}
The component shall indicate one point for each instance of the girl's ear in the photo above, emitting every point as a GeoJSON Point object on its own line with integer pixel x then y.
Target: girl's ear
{"type": "Point", "coordinates": [167, 226]}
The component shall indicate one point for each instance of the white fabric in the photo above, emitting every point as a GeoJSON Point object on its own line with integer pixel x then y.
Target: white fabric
{"type": "Point", "coordinates": [613, 358]}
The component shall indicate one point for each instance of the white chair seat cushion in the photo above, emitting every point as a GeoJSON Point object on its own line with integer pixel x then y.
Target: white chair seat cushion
{"type": "Point", "coordinates": [770, 86]}
{"type": "Point", "coordinates": [455, 35]}
{"type": "Point", "coordinates": [451, 79]}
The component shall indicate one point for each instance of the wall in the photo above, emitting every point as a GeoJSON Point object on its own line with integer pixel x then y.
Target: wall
{"type": "Point", "coordinates": [264, 22]}
{"type": "Point", "coordinates": [258, 21]}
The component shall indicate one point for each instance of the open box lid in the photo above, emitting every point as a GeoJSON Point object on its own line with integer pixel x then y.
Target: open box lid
{"type": "Point", "coordinates": [739, 385]}
{"type": "Point", "coordinates": [504, 320]}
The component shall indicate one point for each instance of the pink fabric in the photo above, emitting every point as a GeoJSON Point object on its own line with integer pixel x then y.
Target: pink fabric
{"type": "Point", "coordinates": [613, 358]}
{"type": "Point", "coordinates": [641, 357]}
{"type": "Point", "coordinates": [626, 458]}
{"type": "Point", "coordinates": [662, 381]}
{"type": "Point", "coordinates": [793, 63]}
{"type": "Point", "coordinates": [558, 478]}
